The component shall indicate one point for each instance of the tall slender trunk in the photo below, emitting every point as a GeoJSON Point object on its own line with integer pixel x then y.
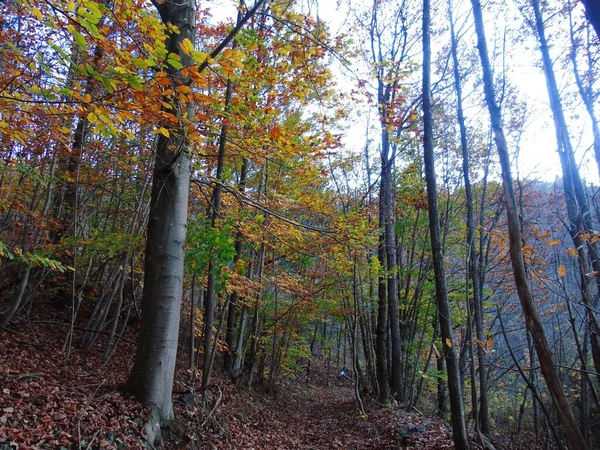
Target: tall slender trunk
{"type": "Point", "coordinates": [389, 242]}
{"type": "Point", "coordinates": [233, 301]}
{"type": "Point", "coordinates": [381, 346]}
{"type": "Point", "coordinates": [459, 428]}
{"type": "Point", "coordinates": [577, 205]}
{"type": "Point", "coordinates": [585, 92]}
{"type": "Point", "coordinates": [472, 258]}
{"type": "Point", "coordinates": [532, 318]}
{"type": "Point", "coordinates": [215, 211]}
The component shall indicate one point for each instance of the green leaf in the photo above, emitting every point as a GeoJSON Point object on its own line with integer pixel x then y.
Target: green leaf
{"type": "Point", "coordinates": [78, 37]}
{"type": "Point", "coordinates": [174, 63]}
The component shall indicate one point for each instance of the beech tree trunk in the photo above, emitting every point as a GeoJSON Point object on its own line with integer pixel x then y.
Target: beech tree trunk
{"type": "Point", "coordinates": [151, 379]}
{"type": "Point", "coordinates": [532, 319]}
{"type": "Point", "coordinates": [459, 428]}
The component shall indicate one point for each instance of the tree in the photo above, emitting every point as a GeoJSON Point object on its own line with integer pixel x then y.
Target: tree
{"type": "Point", "coordinates": [459, 429]}
{"type": "Point", "coordinates": [151, 378]}
{"type": "Point", "coordinates": [388, 30]}
{"type": "Point", "coordinates": [532, 318]}
{"type": "Point", "coordinates": [482, 419]}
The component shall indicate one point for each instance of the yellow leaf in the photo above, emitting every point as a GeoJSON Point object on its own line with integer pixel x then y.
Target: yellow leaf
{"type": "Point", "coordinates": [3, 124]}
{"type": "Point", "coordinates": [252, 47]}
{"type": "Point", "coordinates": [186, 46]}
{"type": "Point", "coordinates": [553, 242]}
{"type": "Point", "coordinates": [562, 271]}
{"type": "Point", "coordinates": [164, 132]}
{"type": "Point", "coordinates": [227, 53]}
{"type": "Point", "coordinates": [105, 119]}
{"type": "Point", "coordinates": [71, 6]}
{"type": "Point", "coordinates": [449, 342]}
{"type": "Point", "coordinates": [199, 57]}
{"type": "Point", "coordinates": [87, 98]}
{"type": "Point", "coordinates": [37, 13]}
{"type": "Point", "coordinates": [92, 118]}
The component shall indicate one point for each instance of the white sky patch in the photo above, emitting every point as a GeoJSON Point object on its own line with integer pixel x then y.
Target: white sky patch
{"type": "Point", "coordinates": [537, 157]}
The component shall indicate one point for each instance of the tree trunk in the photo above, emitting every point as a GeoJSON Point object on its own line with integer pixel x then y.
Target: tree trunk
{"type": "Point", "coordinates": [381, 349]}
{"type": "Point", "coordinates": [585, 92]}
{"type": "Point", "coordinates": [577, 205]}
{"type": "Point", "coordinates": [472, 258]}
{"type": "Point", "coordinates": [233, 301]}
{"type": "Point", "coordinates": [532, 318]}
{"type": "Point", "coordinates": [389, 244]}
{"type": "Point", "coordinates": [151, 379]}
{"type": "Point", "coordinates": [592, 11]}
{"type": "Point", "coordinates": [459, 429]}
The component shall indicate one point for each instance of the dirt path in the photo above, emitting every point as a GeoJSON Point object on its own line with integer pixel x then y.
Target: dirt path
{"type": "Point", "coordinates": [326, 418]}
{"type": "Point", "coordinates": [322, 418]}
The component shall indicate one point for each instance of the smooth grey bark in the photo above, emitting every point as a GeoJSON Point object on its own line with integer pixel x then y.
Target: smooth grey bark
{"type": "Point", "coordinates": [151, 379]}
{"type": "Point", "coordinates": [532, 319]}
{"type": "Point", "coordinates": [457, 414]}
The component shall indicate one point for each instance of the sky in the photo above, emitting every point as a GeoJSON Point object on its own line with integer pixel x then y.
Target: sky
{"type": "Point", "coordinates": [537, 144]}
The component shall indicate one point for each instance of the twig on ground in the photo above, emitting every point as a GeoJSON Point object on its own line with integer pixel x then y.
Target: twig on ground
{"type": "Point", "coordinates": [214, 407]}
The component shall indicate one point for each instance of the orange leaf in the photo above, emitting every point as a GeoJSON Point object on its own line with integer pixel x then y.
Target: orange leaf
{"type": "Point", "coordinates": [572, 252]}
{"type": "Point", "coordinates": [562, 271]}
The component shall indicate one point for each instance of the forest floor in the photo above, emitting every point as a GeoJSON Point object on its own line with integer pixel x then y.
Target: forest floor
{"type": "Point", "coordinates": [49, 401]}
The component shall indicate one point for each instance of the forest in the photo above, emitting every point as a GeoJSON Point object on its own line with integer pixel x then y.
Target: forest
{"type": "Point", "coordinates": [287, 224]}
